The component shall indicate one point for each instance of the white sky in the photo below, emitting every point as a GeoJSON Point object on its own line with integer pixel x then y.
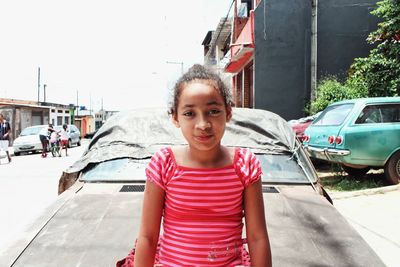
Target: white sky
{"type": "Point", "coordinates": [101, 49]}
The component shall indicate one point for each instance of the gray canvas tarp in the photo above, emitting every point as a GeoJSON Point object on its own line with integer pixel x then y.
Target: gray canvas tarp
{"type": "Point", "coordinates": [139, 133]}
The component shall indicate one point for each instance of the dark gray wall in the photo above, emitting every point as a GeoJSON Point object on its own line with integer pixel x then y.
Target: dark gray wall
{"type": "Point", "coordinates": [343, 27]}
{"type": "Point", "coordinates": [282, 65]}
{"type": "Point", "coordinates": [283, 58]}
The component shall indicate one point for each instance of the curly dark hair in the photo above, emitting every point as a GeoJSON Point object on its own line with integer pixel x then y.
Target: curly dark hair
{"type": "Point", "coordinates": [199, 73]}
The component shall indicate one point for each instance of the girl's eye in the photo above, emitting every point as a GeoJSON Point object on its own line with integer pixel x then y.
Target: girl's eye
{"type": "Point", "coordinates": [214, 112]}
{"type": "Point", "coordinates": [188, 113]}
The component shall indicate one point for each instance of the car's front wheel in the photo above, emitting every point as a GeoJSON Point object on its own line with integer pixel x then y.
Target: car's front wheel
{"type": "Point", "coordinates": [17, 153]}
{"type": "Point", "coordinates": [392, 168]}
{"type": "Point", "coordinates": [355, 171]}
{"type": "Point", "coordinates": [69, 143]}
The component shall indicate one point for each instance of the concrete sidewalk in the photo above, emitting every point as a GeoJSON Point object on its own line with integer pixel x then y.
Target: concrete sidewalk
{"type": "Point", "coordinates": [375, 214]}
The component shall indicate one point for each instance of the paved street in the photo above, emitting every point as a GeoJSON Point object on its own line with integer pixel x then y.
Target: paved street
{"type": "Point", "coordinates": [27, 186]}
{"type": "Point", "coordinates": [377, 218]}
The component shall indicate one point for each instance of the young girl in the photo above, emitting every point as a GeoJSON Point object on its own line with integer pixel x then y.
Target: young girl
{"type": "Point", "coordinates": [203, 189]}
{"type": "Point", "coordinates": [64, 138]}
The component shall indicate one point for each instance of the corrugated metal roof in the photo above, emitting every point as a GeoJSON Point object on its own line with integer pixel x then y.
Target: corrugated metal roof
{"type": "Point", "coordinates": [220, 35]}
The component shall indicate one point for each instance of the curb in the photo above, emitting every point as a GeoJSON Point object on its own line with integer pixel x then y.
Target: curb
{"type": "Point", "coordinates": [365, 192]}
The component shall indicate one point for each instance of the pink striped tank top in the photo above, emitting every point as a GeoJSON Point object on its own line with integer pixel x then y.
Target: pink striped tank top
{"type": "Point", "coordinates": [203, 212]}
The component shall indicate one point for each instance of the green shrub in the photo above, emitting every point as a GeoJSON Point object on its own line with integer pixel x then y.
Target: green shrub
{"type": "Point", "coordinates": [330, 90]}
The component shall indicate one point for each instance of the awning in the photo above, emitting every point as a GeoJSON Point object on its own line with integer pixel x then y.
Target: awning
{"type": "Point", "coordinates": [239, 60]}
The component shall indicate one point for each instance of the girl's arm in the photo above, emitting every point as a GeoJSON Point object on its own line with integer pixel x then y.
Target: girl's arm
{"type": "Point", "coordinates": [153, 205]}
{"type": "Point", "coordinates": [256, 228]}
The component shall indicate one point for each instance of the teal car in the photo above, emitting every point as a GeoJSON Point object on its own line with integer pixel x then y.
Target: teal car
{"type": "Point", "coordinates": [359, 134]}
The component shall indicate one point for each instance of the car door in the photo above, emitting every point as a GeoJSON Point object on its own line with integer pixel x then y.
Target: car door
{"type": "Point", "coordinates": [374, 136]}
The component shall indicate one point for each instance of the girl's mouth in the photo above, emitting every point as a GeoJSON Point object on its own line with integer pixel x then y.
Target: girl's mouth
{"type": "Point", "coordinates": [203, 138]}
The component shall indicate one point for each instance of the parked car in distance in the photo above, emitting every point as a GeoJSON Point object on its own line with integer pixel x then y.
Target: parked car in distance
{"type": "Point", "coordinates": [359, 134]}
{"type": "Point", "coordinates": [96, 219]}
{"type": "Point", "coordinates": [28, 140]}
{"type": "Point", "coordinates": [91, 134]}
{"type": "Point", "coordinates": [73, 133]}
{"type": "Point", "coordinates": [300, 125]}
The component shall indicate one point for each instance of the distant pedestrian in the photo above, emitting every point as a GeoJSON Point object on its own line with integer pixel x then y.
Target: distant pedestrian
{"type": "Point", "coordinates": [5, 131]}
{"type": "Point", "coordinates": [44, 136]}
{"type": "Point", "coordinates": [64, 136]}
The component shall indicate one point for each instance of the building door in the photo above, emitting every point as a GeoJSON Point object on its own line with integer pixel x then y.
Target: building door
{"type": "Point", "coordinates": [239, 95]}
{"type": "Point", "coordinates": [248, 86]}
{"type": "Point", "coordinates": [36, 118]}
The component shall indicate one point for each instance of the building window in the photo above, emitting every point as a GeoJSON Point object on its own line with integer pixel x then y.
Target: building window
{"type": "Point", "coordinates": [59, 120]}
{"type": "Point", "coordinates": [66, 119]}
{"type": "Point", "coordinates": [67, 111]}
{"type": "Point", "coordinates": [59, 111]}
{"type": "Point", "coordinates": [53, 110]}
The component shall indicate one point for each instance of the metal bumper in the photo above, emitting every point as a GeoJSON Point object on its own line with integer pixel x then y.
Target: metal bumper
{"type": "Point", "coordinates": [326, 153]}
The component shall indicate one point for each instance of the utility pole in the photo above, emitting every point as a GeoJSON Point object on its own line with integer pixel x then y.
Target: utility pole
{"type": "Point", "coordinates": [38, 88]}
{"type": "Point", "coordinates": [77, 105]}
{"type": "Point", "coordinates": [44, 92]}
{"type": "Point", "coordinates": [90, 104]}
{"type": "Point", "coordinates": [314, 52]}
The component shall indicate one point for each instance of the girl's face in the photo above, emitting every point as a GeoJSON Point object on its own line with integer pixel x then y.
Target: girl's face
{"type": "Point", "coordinates": [201, 114]}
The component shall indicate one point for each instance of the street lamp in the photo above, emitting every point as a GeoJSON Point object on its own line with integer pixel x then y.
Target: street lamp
{"type": "Point", "coordinates": [179, 63]}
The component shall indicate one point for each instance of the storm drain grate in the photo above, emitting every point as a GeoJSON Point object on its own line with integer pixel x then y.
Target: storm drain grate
{"type": "Point", "coordinates": [132, 188]}
{"type": "Point", "coordinates": [269, 189]}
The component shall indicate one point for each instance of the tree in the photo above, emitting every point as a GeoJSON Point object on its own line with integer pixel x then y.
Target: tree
{"type": "Point", "coordinates": [379, 73]}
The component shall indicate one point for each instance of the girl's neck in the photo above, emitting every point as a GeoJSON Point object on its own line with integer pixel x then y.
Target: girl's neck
{"type": "Point", "coordinates": [217, 157]}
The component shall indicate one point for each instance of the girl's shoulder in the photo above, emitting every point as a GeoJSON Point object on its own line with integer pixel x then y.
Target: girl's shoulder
{"type": "Point", "coordinates": [162, 161]}
{"type": "Point", "coordinates": [164, 154]}
{"type": "Point", "coordinates": [161, 167]}
{"type": "Point", "coordinates": [243, 155]}
{"type": "Point", "coordinates": [247, 165]}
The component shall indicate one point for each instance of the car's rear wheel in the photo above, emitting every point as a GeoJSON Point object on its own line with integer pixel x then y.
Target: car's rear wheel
{"type": "Point", "coordinates": [79, 142]}
{"type": "Point", "coordinates": [17, 153]}
{"type": "Point", "coordinates": [355, 171]}
{"type": "Point", "coordinates": [69, 143]}
{"type": "Point", "coordinates": [392, 168]}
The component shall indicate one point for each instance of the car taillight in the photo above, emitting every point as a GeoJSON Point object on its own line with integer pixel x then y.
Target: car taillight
{"type": "Point", "coordinates": [331, 139]}
{"type": "Point", "coordinates": [338, 140]}
{"type": "Point", "coordinates": [305, 138]}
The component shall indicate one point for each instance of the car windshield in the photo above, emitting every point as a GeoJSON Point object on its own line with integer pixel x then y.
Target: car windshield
{"type": "Point", "coordinates": [31, 131]}
{"type": "Point", "coordinates": [276, 169]}
{"type": "Point", "coordinates": [334, 115]}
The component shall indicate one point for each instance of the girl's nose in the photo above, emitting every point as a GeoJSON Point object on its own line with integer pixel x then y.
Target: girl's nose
{"type": "Point", "coordinates": [203, 124]}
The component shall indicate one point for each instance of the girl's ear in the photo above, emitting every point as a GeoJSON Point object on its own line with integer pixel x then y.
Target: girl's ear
{"type": "Point", "coordinates": [228, 113]}
{"type": "Point", "coordinates": [175, 120]}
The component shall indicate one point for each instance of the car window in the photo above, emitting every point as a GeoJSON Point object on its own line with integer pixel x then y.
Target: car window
{"type": "Point", "coordinates": [276, 169]}
{"type": "Point", "coordinates": [31, 131]}
{"type": "Point", "coordinates": [74, 128]}
{"type": "Point", "coordinates": [282, 169]}
{"type": "Point", "coordinates": [379, 114]}
{"type": "Point", "coordinates": [124, 169]}
{"type": "Point", "coordinates": [334, 115]}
